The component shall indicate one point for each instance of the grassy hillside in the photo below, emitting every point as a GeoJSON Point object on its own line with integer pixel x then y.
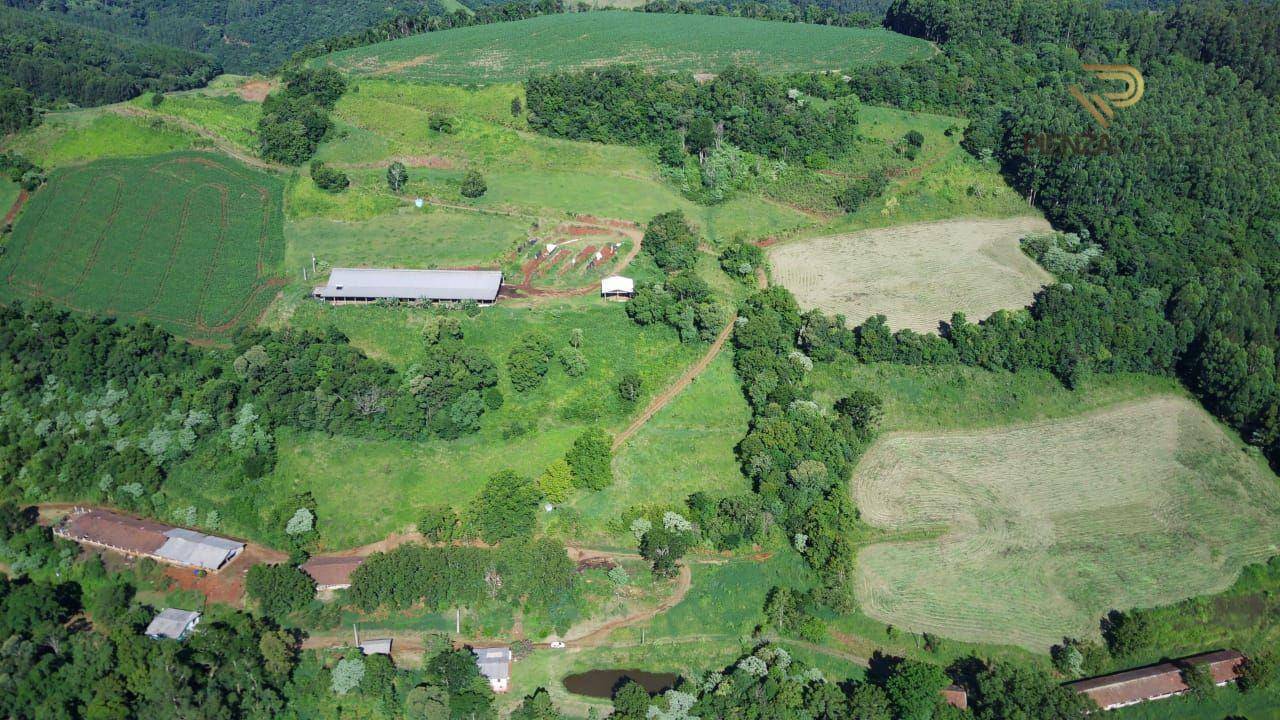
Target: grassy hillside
{"type": "Point", "coordinates": [190, 241]}
{"type": "Point", "coordinates": [510, 51]}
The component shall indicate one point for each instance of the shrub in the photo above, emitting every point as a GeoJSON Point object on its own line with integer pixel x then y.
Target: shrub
{"type": "Point", "coordinates": [327, 178]}
{"type": "Point", "coordinates": [506, 507]}
{"type": "Point", "coordinates": [439, 524]}
{"type": "Point", "coordinates": [279, 589]}
{"type": "Point", "coordinates": [397, 176]}
{"type": "Point", "coordinates": [441, 124]}
{"type": "Point", "coordinates": [529, 361]}
{"type": "Point", "coordinates": [556, 482]}
{"type": "Point", "coordinates": [573, 361]}
{"type": "Point", "coordinates": [347, 675]}
{"type": "Point", "coordinates": [630, 386]}
{"type": "Point", "coordinates": [591, 460]}
{"type": "Point", "coordinates": [473, 185]}
{"type": "Point", "coordinates": [670, 241]}
{"type": "Point", "coordinates": [854, 195]}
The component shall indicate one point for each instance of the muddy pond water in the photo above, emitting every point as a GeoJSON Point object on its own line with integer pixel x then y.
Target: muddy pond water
{"type": "Point", "coordinates": [602, 683]}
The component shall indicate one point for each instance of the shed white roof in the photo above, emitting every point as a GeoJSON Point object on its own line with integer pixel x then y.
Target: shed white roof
{"type": "Point", "coordinates": [412, 284]}
{"type": "Point", "coordinates": [494, 663]}
{"type": "Point", "coordinates": [617, 284]}
{"type": "Point", "coordinates": [188, 547]}
{"type": "Point", "coordinates": [380, 646]}
{"type": "Point", "coordinates": [172, 623]}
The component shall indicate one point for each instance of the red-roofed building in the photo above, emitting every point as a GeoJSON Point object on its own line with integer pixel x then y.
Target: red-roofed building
{"type": "Point", "coordinates": [1156, 682]}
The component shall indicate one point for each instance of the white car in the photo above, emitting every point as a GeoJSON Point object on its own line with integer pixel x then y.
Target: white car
{"type": "Point", "coordinates": [557, 645]}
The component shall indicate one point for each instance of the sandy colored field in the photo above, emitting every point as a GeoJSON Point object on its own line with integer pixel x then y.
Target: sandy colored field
{"type": "Point", "coordinates": [1046, 527]}
{"type": "Point", "coordinates": [915, 275]}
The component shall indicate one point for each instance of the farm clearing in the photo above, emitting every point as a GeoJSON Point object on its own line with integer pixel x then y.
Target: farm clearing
{"type": "Point", "coordinates": [1135, 505]}
{"type": "Point", "coordinates": [508, 52]}
{"type": "Point", "coordinates": [190, 241]}
{"type": "Point", "coordinates": [915, 275]}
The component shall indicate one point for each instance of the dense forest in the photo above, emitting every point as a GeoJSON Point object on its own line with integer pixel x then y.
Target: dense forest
{"type": "Point", "coordinates": [58, 62]}
{"type": "Point", "coordinates": [243, 36]}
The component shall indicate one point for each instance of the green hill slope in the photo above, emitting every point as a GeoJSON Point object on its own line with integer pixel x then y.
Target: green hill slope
{"type": "Point", "coordinates": [695, 43]}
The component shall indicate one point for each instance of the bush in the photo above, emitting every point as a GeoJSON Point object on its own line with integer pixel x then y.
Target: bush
{"type": "Point", "coordinates": [441, 124]}
{"type": "Point", "coordinates": [279, 589]}
{"type": "Point", "coordinates": [397, 176]}
{"type": "Point", "coordinates": [473, 185]}
{"type": "Point", "coordinates": [860, 191]}
{"type": "Point", "coordinates": [670, 241]}
{"type": "Point", "coordinates": [741, 260]}
{"type": "Point", "coordinates": [591, 458]}
{"type": "Point", "coordinates": [573, 361]}
{"type": "Point", "coordinates": [506, 507]}
{"type": "Point", "coordinates": [156, 99]}
{"type": "Point", "coordinates": [439, 524]}
{"type": "Point", "coordinates": [529, 361]}
{"type": "Point", "coordinates": [629, 387]}
{"type": "Point", "coordinates": [327, 178]}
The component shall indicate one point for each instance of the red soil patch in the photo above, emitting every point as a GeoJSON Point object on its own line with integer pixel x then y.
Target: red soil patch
{"type": "Point", "coordinates": [586, 253]}
{"type": "Point", "coordinates": [623, 224]}
{"type": "Point", "coordinates": [17, 205]}
{"type": "Point", "coordinates": [254, 90]}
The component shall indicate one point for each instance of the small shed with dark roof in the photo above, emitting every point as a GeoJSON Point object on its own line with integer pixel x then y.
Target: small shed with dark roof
{"type": "Point", "coordinates": [332, 573]}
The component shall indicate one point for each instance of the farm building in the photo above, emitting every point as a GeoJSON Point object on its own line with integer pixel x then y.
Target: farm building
{"type": "Point", "coordinates": [364, 285]}
{"type": "Point", "coordinates": [955, 696]}
{"type": "Point", "coordinates": [172, 624]}
{"type": "Point", "coordinates": [377, 646]}
{"type": "Point", "coordinates": [617, 287]}
{"type": "Point", "coordinates": [1156, 682]}
{"type": "Point", "coordinates": [144, 538]}
{"type": "Point", "coordinates": [495, 665]}
{"type": "Point", "coordinates": [331, 573]}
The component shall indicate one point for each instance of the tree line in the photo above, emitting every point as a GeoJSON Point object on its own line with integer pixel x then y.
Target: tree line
{"type": "Point", "coordinates": [60, 63]}
{"type": "Point", "coordinates": [104, 411]}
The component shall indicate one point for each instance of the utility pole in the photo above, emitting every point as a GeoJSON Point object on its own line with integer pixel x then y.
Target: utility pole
{"type": "Point", "coordinates": [457, 623]}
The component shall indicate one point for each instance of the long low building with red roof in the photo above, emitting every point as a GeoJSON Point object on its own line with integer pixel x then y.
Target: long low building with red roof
{"type": "Point", "coordinates": [147, 538]}
{"type": "Point", "coordinates": [330, 572]}
{"type": "Point", "coordinates": [1156, 682]}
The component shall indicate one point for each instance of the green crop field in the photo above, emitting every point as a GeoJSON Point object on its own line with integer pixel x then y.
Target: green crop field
{"type": "Point", "coordinates": [190, 241]}
{"type": "Point", "coordinates": [507, 52]}
{"type": "Point", "coordinates": [1135, 505]}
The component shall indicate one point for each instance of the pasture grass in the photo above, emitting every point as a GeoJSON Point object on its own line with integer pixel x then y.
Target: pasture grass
{"type": "Point", "coordinates": [686, 447]}
{"type": "Point", "coordinates": [508, 52]}
{"type": "Point", "coordinates": [189, 241]}
{"type": "Point", "coordinates": [224, 114]}
{"type": "Point", "coordinates": [1139, 504]}
{"type": "Point", "coordinates": [65, 138]}
{"type": "Point", "coordinates": [367, 488]}
{"type": "Point", "coordinates": [9, 191]}
{"type": "Point", "coordinates": [405, 237]}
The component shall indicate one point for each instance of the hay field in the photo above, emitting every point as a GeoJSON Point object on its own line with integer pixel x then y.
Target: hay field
{"type": "Point", "coordinates": [1045, 527]}
{"type": "Point", "coordinates": [509, 51]}
{"type": "Point", "coordinates": [915, 275]}
{"type": "Point", "coordinates": [190, 241]}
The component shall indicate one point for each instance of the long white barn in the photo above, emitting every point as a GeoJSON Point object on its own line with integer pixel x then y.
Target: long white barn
{"type": "Point", "coordinates": [355, 285]}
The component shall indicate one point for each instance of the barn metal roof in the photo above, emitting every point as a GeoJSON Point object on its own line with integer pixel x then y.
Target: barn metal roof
{"type": "Point", "coordinates": [379, 646]}
{"type": "Point", "coordinates": [494, 662]}
{"type": "Point", "coordinates": [172, 623]}
{"type": "Point", "coordinates": [188, 547]}
{"type": "Point", "coordinates": [416, 284]}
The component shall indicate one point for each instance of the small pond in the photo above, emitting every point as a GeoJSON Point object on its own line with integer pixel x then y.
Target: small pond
{"type": "Point", "coordinates": [602, 683]}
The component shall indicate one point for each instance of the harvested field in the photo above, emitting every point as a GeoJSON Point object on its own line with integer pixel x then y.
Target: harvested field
{"type": "Point", "coordinates": [190, 241]}
{"type": "Point", "coordinates": [915, 275]}
{"type": "Point", "coordinates": [1045, 527]}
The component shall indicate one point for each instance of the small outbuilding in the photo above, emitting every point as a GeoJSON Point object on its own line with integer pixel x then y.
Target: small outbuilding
{"type": "Point", "coordinates": [617, 288]}
{"type": "Point", "coordinates": [172, 624]}
{"type": "Point", "coordinates": [495, 666]}
{"type": "Point", "coordinates": [378, 646]}
{"type": "Point", "coordinates": [331, 573]}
